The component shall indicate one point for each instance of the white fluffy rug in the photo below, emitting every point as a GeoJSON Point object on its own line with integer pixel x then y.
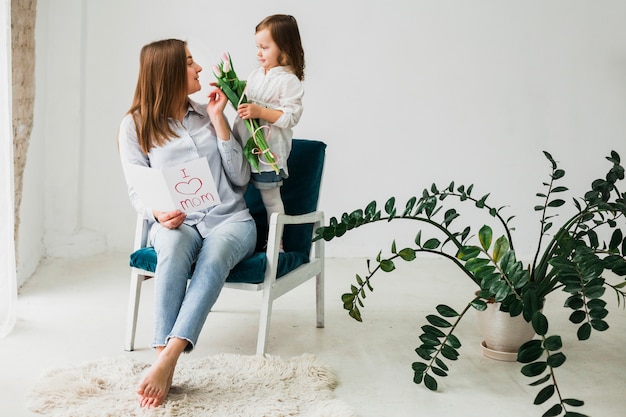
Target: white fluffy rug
{"type": "Point", "coordinates": [224, 385]}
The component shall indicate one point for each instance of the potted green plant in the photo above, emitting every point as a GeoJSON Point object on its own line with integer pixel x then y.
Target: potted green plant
{"type": "Point", "coordinates": [584, 256]}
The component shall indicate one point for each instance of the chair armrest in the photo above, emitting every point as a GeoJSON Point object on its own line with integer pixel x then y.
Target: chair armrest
{"type": "Point", "coordinates": [313, 217]}
{"type": "Point", "coordinates": [141, 233]}
{"type": "Point", "coordinates": [277, 224]}
{"type": "Point", "coordinates": [275, 233]}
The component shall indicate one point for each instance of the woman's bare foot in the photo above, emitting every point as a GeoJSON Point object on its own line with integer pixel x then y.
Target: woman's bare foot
{"type": "Point", "coordinates": [156, 384]}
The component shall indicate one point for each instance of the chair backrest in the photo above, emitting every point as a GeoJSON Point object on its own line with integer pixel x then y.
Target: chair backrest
{"type": "Point", "coordinates": [300, 193]}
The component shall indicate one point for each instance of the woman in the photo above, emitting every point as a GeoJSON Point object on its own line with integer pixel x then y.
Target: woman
{"type": "Point", "coordinates": [164, 127]}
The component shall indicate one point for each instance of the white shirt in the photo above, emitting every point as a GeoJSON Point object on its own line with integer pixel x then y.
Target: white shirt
{"type": "Point", "coordinates": [278, 89]}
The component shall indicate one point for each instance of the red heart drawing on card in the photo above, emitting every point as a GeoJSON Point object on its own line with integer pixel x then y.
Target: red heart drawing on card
{"type": "Point", "coordinates": [190, 187]}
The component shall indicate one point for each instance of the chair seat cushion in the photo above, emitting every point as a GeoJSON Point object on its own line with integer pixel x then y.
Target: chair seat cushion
{"type": "Point", "coordinates": [250, 270]}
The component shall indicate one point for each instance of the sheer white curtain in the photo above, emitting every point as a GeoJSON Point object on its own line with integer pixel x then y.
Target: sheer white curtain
{"type": "Point", "coordinates": [8, 279]}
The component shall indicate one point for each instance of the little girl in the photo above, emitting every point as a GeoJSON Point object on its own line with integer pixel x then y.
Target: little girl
{"type": "Point", "coordinates": [274, 91]}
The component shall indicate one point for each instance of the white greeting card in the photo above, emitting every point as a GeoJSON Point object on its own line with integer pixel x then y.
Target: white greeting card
{"type": "Point", "coordinates": [186, 187]}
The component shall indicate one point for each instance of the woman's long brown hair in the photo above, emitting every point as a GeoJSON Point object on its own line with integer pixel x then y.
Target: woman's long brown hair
{"type": "Point", "coordinates": [161, 91]}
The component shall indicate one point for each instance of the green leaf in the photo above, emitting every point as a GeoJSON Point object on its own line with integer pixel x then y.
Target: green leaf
{"type": "Point", "coordinates": [544, 395]}
{"type": "Point", "coordinates": [370, 210]}
{"type": "Point", "coordinates": [553, 343]}
{"type": "Point", "coordinates": [540, 381]}
{"type": "Point", "coordinates": [485, 235]}
{"type": "Point", "coordinates": [355, 314]}
{"type": "Point", "coordinates": [418, 238]}
{"type": "Point", "coordinates": [407, 254]}
{"type": "Point", "coordinates": [596, 304]}
{"type": "Point", "coordinates": [573, 402]}
{"type": "Point", "coordinates": [574, 302]}
{"type": "Point", "coordinates": [429, 339]}
{"type": "Point", "coordinates": [453, 341]}
{"type": "Point", "coordinates": [594, 291]}
{"type": "Point", "coordinates": [479, 304]}
{"type": "Point", "coordinates": [438, 371]}
{"type": "Point", "coordinates": [550, 158]}
{"type": "Point", "coordinates": [534, 369]}
{"type": "Point", "coordinates": [390, 205]}
{"type": "Point", "coordinates": [555, 360]}
{"type": "Point", "coordinates": [449, 216]}
{"type": "Point", "coordinates": [584, 331]}
{"type": "Point", "coordinates": [558, 173]}
{"type": "Point", "coordinates": [441, 364]}
{"type": "Point", "coordinates": [419, 367]}
{"type": "Point", "coordinates": [540, 323]}
{"type": "Point", "coordinates": [556, 203]}
{"type": "Point", "coordinates": [446, 311]}
{"type": "Point", "coordinates": [475, 263]}
{"type": "Point", "coordinates": [554, 411]}
{"type": "Point", "coordinates": [599, 325]}
{"type": "Point", "coordinates": [418, 377]}
{"type": "Point", "coordinates": [577, 316]}
{"type": "Point", "coordinates": [449, 352]}
{"type": "Point", "coordinates": [468, 252]}
{"type": "Point", "coordinates": [616, 239]}
{"type": "Point", "coordinates": [598, 313]}
{"type": "Point", "coordinates": [387, 265]}
{"type": "Point", "coordinates": [438, 321]}
{"type": "Point", "coordinates": [430, 382]}
{"type": "Point", "coordinates": [432, 330]}
{"type": "Point", "coordinates": [531, 344]}
{"type": "Point", "coordinates": [409, 206]}
{"type": "Point", "coordinates": [432, 243]}
{"type": "Point", "coordinates": [425, 352]}
{"type": "Point", "coordinates": [481, 203]}
{"type": "Point", "coordinates": [500, 248]}
{"type": "Point", "coordinates": [530, 354]}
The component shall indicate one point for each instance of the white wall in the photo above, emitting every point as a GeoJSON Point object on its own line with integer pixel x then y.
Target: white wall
{"type": "Point", "coordinates": [404, 92]}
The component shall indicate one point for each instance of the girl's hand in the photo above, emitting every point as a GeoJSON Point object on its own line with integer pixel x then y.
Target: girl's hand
{"type": "Point", "coordinates": [254, 111]}
{"type": "Point", "coordinates": [249, 111]}
{"type": "Point", "coordinates": [169, 219]}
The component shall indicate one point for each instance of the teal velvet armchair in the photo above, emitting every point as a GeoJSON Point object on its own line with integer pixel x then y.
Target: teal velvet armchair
{"type": "Point", "coordinates": [270, 270]}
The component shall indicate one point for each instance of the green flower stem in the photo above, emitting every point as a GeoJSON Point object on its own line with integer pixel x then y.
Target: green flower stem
{"type": "Point", "coordinates": [261, 144]}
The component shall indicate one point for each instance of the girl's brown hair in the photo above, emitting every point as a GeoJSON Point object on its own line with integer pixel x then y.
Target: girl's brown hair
{"type": "Point", "coordinates": [161, 91]}
{"type": "Point", "coordinates": [284, 31]}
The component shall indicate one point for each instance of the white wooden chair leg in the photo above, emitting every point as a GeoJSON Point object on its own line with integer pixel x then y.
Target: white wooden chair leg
{"type": "Point", "coordinates": [133, 310]}
{"type": "Point", "coordinates": [319, 299]}
{"type": "Point", "coordinates": [264, 322]}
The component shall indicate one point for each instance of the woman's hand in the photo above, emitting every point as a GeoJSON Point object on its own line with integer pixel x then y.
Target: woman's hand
{"type": "Point", "coordinates": [169, 219]}
{"type": "Point", "coordinates": [217, 103]}
{"type": "Point", "coordinates": [215, 108]}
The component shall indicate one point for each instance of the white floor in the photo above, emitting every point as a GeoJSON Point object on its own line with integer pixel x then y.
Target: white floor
{"type": "Point", "coordinates": [74, 311]}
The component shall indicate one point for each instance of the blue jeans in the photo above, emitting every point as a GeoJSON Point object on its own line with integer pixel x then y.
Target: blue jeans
{"type": "Point", "coordinates": [181, 309]}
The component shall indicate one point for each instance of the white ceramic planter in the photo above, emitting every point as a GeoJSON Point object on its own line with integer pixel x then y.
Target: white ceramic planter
{"type": "Point", "coordinates": [502, 334]}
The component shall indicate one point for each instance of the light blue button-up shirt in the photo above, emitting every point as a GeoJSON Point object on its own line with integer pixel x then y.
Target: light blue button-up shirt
{"type": "Point", "coordinates": [196, 139]}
